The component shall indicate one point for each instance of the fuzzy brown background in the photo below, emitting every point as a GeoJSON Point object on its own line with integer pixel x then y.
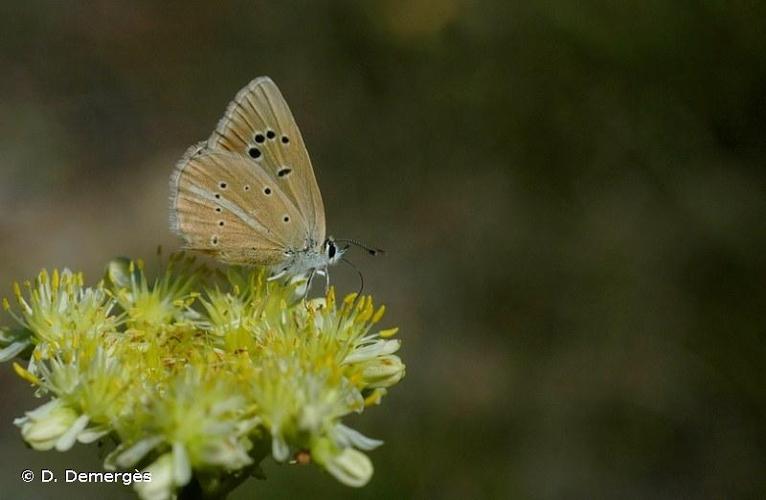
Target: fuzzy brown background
{"type": "Point", "coordinates": [572, 196]}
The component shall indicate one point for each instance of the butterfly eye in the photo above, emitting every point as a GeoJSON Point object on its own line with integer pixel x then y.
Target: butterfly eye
{"type": "Point", "coordinates": [254, 152]}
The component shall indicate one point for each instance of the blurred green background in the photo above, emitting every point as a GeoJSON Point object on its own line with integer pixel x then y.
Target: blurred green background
{"type": "Point", "coordinates": [572, 196]}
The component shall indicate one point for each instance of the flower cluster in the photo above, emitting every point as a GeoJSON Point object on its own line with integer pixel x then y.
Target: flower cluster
{"type": "Point", "coordinates": [198, 375]}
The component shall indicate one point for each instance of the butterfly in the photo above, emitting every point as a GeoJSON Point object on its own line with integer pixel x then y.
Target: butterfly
{"type": "Point", "coordinates": [248, 195]}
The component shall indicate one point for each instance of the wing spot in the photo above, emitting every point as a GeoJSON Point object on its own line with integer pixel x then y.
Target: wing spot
{"type": "Point", "coordinates": [267, 191]}
{"type": "Point", "coordinates": [222, 185]}
{"type": "Point", "coordinates": [284, 171]}
{"type": "Point", "coordinates": [271, 134]}
{"type": "Point", "coordinates": [218, 209]}
{"type": "Point", "coordinates": [217, 196]}
{"type": "Point", "coordinates": [286, 219]}
{"type": "Point", "coordinates": [285, 139]}
{"type": "Point", "coordinates": [247, 187]}
{"type": "Point", "coordinates": [259, 138]}
{"type": "Point", "coordinates": [214, 240]}
{"type": "Point", "coordinates": [254, 152]}
{"type": "Point", "coordinates": [221, 223]}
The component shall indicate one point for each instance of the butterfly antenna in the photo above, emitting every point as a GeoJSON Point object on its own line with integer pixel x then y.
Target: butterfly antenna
{"type": "Point", "coordinates": [372, 251]}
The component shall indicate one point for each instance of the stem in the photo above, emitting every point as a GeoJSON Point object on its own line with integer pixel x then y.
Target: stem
{"type": "Point", "coordinates": [193, 491]}
{"type": "Point", "coordinates": [218, 486]}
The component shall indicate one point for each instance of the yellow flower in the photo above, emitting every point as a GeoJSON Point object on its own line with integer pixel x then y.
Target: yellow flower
{"type": "Point", "coordinates": [200, 375]}
{"type": "Point", "coordinates": [59, 311]}
{"type": "Point", "coordinates": [159, 305]}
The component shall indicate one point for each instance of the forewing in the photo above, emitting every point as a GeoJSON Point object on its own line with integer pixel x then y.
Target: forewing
{"type": "Point", "coordinates": [223, 205]}
{"type": "Point", "coordinates": [259, 127]}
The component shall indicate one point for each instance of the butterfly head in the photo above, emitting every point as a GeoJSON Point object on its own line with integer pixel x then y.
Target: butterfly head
{"type": "Point", "coordinates": [332, 252]}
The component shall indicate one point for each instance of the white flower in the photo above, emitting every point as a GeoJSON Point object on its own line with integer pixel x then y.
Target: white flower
{"type": "Point", "coordinates": [346, 437]}
{"type": "Point", "coordinates": [162, 485]}
{"type": "Point", "coordinates": [51, 425]}
{"type": "Point", "coordinates": [372, 350]}
{"type": "Point", "coordinates": [350, 467]}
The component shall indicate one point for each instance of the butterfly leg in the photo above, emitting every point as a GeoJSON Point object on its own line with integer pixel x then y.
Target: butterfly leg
{"type": "Point", "coordinates": [274, 277]}
{"type": "Point", "coordinates": [308, 283]}
{"type": "Point", "coordinates": [323, 272]}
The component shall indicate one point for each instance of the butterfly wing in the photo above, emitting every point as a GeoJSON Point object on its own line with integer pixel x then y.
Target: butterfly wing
{"type": "Point", "coordinates": [259, 127]}
{"type": "Point", "coordinates": [223, 206]}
